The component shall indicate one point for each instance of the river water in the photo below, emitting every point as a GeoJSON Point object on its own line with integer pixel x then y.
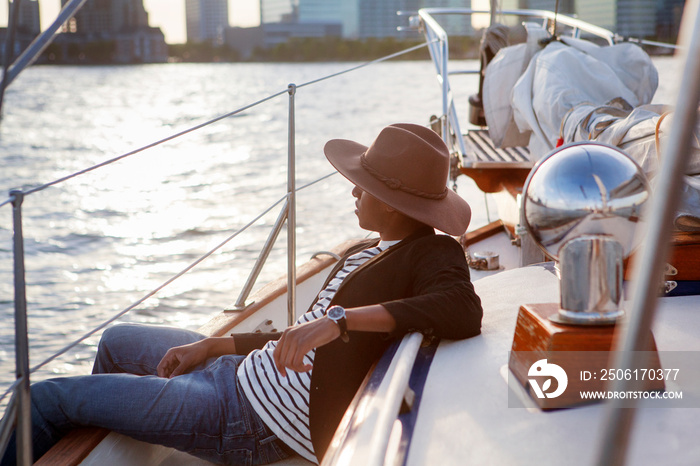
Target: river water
{"type": "Point", "coordinates": [100, 241]}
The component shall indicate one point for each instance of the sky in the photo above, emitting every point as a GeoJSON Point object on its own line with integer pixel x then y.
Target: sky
{"type": "Point", "coordinates": [169, 15]}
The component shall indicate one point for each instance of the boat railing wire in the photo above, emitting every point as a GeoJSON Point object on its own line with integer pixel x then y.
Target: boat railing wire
{"type": "Point", "coordinates": [214, 120]}
{"type": "Point", "coordinates": [16, 198]}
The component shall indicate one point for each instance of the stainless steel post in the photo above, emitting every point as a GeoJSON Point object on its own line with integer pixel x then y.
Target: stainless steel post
{"type": "Point", "coordinates": [264, 254]}
{"type": "Point", "coordinates": [292, 214]}
{"type": "Point", "coordinates": [24, 420]}
{"type": "Point", "coordinates": [648, 271]}
{"type": "Point", "coordinates": [444, 54]}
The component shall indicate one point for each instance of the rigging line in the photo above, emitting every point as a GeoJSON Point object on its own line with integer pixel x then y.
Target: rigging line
{"type": "Point", "coordinates": [378, 60]}
{"type": "Point", "coordinates": [156, 290]}
{"type": "Point", "coordinates": [9, 200]}
{"type": "Point", "coordinates": [12, 387]}
{"type": "Point", "coordinates": [104, 324]}
{"type": "Point", "coordinates": [227, 115]}
{"type": "Point", "coordinates": [149, 146]}
{"type": "Point", "coordinates": [316, 181]}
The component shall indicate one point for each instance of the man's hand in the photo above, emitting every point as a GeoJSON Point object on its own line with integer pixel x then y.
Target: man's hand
{"type": "Point", "coordinates": [182, 358]}
{"type": "Point", "coordinates": [297, 341]}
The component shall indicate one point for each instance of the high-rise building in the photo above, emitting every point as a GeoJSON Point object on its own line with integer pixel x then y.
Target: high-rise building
{"type": "Point", "coordinates": [454, 25]}
{"type": "Point", "coordinates": [28, 28]}
{"type": "Point", "coordinates": [343, 12]}
{"type": "Point", "coordinates": [378, 18]}
{"type": "Point", "coordinates": [206, 20]}
{"type": "Point", "coordinates": [359, 18]}
{"type": "Point", "coordinates": [105, 17]}
{"type": "Point", "coordinates": [636, 18]}
{"type": "Point", "coordinates": [602, 13]}
{"type": "Point", "coordinates": [668, 21]}
{"type": "Point", "coordinates": [279, 11]}
{"type": "Point", "coordinates": [28, 20]}
{"type": "Point", "coordinates": [633, 18]}
{"type": "Point", "coordinates": [118, 31]}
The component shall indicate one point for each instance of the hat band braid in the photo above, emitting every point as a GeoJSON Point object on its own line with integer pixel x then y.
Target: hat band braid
{"type": "Point", "coordinates": [394, 183]}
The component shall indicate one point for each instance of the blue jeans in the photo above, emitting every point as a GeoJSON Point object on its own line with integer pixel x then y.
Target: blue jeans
{"type": "Point", "coordinates": [203, 412]}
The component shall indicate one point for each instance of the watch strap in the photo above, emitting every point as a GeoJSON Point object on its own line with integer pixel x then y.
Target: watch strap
{"type": "Point", "coordinates": [341, 321]}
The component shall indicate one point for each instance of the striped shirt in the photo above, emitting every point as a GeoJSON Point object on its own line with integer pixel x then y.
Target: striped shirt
{"type": "Point", "coordinates": [283, 402]}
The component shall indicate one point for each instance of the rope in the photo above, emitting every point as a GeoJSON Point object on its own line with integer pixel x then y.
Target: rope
{"type": "Point", "coordinates": [154, 144]}
{"type": "Point", "coordinates": [157, 289]}
{"type": "Point", "coordinates": [12, 387]}
{"type": "Point", "coordinates": [215, 120]}
{"type": "Point", "coordinates": [378, 60]}
{"type": "Point", "coordinates": [657, 129]}
{"type": "Point", "coordinates": [163, 285]}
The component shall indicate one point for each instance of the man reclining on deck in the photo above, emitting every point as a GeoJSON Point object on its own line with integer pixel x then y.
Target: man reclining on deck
{"type": "Point", "coordinates": [263, 397]}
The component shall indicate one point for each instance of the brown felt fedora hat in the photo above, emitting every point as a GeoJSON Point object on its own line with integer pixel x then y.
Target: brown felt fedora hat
{"type": "Point", "coordinates": [406, 167]}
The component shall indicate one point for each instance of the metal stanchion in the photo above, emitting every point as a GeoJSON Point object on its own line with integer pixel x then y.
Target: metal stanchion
{"type": "Point", "coordinates": [24, 420]}
{"type": "Point", "coordinates": [292, 214]}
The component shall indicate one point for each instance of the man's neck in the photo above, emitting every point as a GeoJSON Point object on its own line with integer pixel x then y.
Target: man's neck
{"type": "Point", "coordinates": [398, 234]}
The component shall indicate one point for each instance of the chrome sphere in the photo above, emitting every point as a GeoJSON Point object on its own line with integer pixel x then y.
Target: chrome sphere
{"type": "Point", "coordinates": [582, 189]}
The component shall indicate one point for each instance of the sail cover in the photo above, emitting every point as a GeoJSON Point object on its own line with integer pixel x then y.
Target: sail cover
{"type": "Point", "coordinates": [574, 90]}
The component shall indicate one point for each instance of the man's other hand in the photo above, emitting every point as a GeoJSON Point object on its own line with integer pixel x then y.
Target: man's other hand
{"type": "Point", "coordinates": [180, 359]}
{"type": "Point", "coordinates": [297, 341]}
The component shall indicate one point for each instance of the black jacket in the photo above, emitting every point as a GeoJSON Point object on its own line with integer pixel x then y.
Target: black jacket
{"type": "Point", "coordinates": [423, 282]}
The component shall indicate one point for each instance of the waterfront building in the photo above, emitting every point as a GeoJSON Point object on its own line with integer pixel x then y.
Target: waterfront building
{"type": "Point", "coordinates": [344, 13]}
{"type": "Point", "coordinates": [206, 20]}
{"type": "Point", "coordinates": [379, 19]}
{"type": "Point", "coordinates": [358, 19]}
{"type": "Point", "coordinates": [29, 18]}
{"type": "Point", "coordinates": [629, 18]}
{"type": "Point", "coordinates": [362, 19]}
{"type": "Point", "coordinates": [244, 40]}
{"type": "Point", "coordinates": [453, 25]}
{"type": "Point", "coordinates": [668, 19]}
{"type": "Point", "coordinates": [111, 31]}
{"type": "Point", "coordinates": [103, 18]}
{"type": "Point", "coordinates": [282, 20]}
{"type": "Point", "coordinates": [602, 13]}
{"type": "Point", "coordinates": [28, 27]}
{"type": "Point", "coordinates": [634, 18]}
{"type": "Point", "coordinates": [278, 11]}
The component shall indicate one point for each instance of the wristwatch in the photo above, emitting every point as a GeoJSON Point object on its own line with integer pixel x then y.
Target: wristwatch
{"type": "Point", "coordinates": [337, 315]}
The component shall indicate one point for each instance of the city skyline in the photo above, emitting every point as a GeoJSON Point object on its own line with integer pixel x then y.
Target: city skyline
{"type": "Point", "coordinates": [161, 13]}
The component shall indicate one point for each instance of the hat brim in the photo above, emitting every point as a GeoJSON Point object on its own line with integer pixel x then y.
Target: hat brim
{"type": "Point", "coordinates": [451, 214]}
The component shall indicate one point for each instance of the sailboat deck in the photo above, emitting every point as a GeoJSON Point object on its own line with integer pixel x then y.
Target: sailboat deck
{"type": "Point", "coordinates": [482, 153]}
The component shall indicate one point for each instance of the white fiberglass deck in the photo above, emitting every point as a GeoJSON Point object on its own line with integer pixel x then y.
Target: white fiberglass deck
{"type": "Point", "coordinates": [464, 417]}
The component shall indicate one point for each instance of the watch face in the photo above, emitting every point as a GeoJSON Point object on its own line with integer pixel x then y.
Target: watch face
{"type": "Point", "coordinates": [336, 312]}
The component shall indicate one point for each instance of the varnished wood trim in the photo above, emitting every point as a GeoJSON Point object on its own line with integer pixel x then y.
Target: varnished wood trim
{"type": "Point", "coordinates": [684, 256]}
{"type": "Point", "coordinates": [74, 447]}
{"type": "Point", "coordinates": [493, 180]}
{"type": "Point", "coordinates": [481, 234]}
